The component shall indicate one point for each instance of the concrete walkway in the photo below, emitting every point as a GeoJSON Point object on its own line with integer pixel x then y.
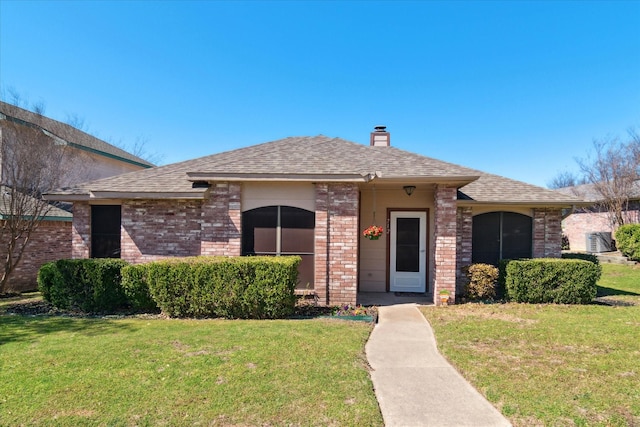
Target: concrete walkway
{"type": "Point", "coordinates": [414, 384]}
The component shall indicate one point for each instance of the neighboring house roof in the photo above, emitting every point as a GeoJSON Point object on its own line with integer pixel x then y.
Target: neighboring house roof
{"type": "Point", "coordinates": [589, 192]}
{"type": "Point", "coordinates": [53, 213]}
{"type": "Point", "coordinates": [312, 159]}
{"type": "Point", "coordinates": [68, 134]}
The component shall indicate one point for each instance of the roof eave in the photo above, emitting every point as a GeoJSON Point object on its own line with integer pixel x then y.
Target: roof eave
{"type": "Point", "coordinates": [61, 197]}
{"type": "Point", "coordinates": [458, 181]}
{"type": "Point", "coordinates": [274, 177]}
{"type": "Point", "coordinates": [199, 194]}
{"type": "Point", "coordinates": [533, 204]}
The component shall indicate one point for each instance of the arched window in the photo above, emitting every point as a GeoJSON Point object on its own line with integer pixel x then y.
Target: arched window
{"type": "Point", "coordinates": [281, 230]}
{"type": "Point", "coordinates": [501, 235]}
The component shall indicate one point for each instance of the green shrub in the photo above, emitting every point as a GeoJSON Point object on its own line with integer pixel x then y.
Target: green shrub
{"type": "Point", "coordinates": [501, 287]}
{"type": "Point", "coordinates": [628, 241]}
{"type": "Point", "coordinates": [135, 284]}
{"type": "Point", "coordinates": [482, 281]}
{"type": "Point", "coordinates": [239, 287]}
{"type": "Point", "coordinates": [585, 257]}
{"type": "Point", "coordinates": [91, 285]}
{"type": "Point", "coordinates": [552, 280]}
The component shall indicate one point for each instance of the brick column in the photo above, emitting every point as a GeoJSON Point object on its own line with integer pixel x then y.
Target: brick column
{"type": "Point", "coordinates": [547, 233]}
{"type": "Point", "coordinates": [81, 230]}
{"type": "Point", "coordinates": [221, 217]}
{"type": "Point", "coordinates": [445, 242]}
{"type": "Point", "coordinates": [343, 243]}
{"type": "Point", "coordinates": [321, 245]}
{"type": "Point", "coordinates": [133, 216]}
{"type": "Point", "coordinates": [464, 247]}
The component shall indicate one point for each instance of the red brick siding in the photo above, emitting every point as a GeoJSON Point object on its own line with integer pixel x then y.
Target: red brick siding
{"type": "Point", "coordinates": [221, 218]}
{"type": "Point", "coordinates": [49, 242]}
{"type": "Point", "coordinates": [321, 247]}
{"type": "Point", "coordinates": [81, 230]}
{"type": "Point", "coordinates": [155, 229]}
{"type": "Point", "coordinates": [547, 233]}
{"type": "Point", "coordinates": [445, 241]}
{"type": "Point", "coordinates": [577, 225]}
{"type": "Point", "coordinates": [464, 239]}
{"type": "Point", "coordinates": [336, 243]}
{"type": "Point", "coordinates": [343, 243]}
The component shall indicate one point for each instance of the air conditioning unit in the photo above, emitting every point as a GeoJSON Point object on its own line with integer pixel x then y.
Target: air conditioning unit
{"type": "Point", "coordinates": [599, 242]}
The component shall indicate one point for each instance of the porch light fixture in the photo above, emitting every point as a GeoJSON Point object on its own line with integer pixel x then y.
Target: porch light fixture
{"type": "Point", "coordinates": [409, 189]}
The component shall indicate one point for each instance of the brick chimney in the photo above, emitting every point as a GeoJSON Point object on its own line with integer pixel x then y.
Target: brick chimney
{"type": "Point", "coordinates": [380, 137]}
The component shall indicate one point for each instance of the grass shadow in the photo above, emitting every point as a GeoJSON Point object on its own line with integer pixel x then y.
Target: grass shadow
{"type": "Point", "coordinates": [15, 328]}
{"type": "Point", "coordinates": [604, 291]}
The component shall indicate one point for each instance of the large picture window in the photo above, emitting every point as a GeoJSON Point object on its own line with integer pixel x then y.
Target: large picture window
{"type": "Point", "coordinates": [281, 230]}
{"type": "Point", "coordinates": [501, 235]}
{"type": "Point", "coordinates": [105, 231]}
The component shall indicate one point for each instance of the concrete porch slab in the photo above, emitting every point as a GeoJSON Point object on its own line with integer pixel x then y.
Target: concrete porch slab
{"type": "Point", "coordinates": [393, 298]}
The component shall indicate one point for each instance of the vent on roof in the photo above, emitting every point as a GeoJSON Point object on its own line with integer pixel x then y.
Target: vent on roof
{"type": "Point", "coordinates": [200, 184]}
{"type": "Point", "coordinates": [380, 137]}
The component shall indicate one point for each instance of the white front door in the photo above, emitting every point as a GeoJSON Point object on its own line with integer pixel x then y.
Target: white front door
{"type": "Point", "coordinates": [408, 254]}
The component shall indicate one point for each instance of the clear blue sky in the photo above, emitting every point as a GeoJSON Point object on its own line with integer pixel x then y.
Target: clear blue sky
{"type": "Point", "coordinates": [514, 88]}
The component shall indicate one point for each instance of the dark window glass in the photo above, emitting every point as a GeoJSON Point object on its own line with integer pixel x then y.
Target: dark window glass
{"type": "Point", "coordinates": [501, 235]}
{"type": "Point", "coordinates": [408, 244]}
{"type": "Point", "coordinates": [297, 218]}
{"type": "Point", "coordinates": [262, 219]}
{"type": "Point", "coordinates": [486, 238]}
{"type": "Point", "coordinates": [516, 236]}
{"type": "Point", "coordinates": [281, 230]}
{"type": "Point", "coordinates": [105, 231]}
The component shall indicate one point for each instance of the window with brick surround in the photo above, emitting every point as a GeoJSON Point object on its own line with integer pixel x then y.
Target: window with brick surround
{"type": "Point", "coordinates": [501, 235]}
{"type": "Point", "coordinates": [105, 231]}
{"type": "Point", "coordinates": [281, 230]}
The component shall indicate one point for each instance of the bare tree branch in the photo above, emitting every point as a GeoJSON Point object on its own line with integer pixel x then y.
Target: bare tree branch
{"type": "Point", "coordinates": [30, 163]}
{"type": "Point", "coordinates": [613, 173]}
{"type": "Point", "coordinates": [565, 179]}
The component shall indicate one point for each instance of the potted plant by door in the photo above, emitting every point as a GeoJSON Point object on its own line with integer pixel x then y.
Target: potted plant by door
{"type": "Point", "coordinates": [444, 296]}
{"type": "Point", "coordinates": [373, 233]}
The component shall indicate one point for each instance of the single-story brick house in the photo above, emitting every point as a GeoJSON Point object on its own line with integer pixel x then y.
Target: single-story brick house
{"type": "Point", "coordinates": [313, 197]}
{"type": "Point", "coordinates": [585, 225]}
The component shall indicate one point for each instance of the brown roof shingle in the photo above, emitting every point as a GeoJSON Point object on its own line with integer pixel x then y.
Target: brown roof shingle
{"type": "Point", "coordinates": [322, 156]}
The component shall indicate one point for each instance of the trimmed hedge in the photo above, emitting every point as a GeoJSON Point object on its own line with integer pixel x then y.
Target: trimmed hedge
{"type": "Point", "coordinates": [482, 281]}
{"type": "Point", "coordinates": [239, 287]}
{"type": "Point", "coordinates": [552, 280]}
{"type": "Point", "coordinates": [628, 241]}
{"type": "Point", "coordinates": [135, 284]}
{"type": "Point", "coordinates": [91, 285]}
{"type": "Point", "coordinates": [585, 257]}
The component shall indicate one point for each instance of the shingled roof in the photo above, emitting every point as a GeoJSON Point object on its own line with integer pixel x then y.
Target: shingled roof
{"type": "Point", "coordinates": [313, 159]}
{"type": "Point", "coordinates": [52, 212]}
{"type": "Point", "coordinates": [590, 193]}
{"type": "Point", "coordinates": [68, 134]}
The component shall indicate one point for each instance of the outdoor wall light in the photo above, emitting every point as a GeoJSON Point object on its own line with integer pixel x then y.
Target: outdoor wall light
{"type": "Point", "coordinates": [409, 189]}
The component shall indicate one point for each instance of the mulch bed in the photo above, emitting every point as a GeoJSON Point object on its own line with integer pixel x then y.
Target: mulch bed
{"type": "Point", "coordinates": [43, 308]}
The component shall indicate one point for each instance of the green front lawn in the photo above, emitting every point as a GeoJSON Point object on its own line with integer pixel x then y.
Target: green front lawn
{"type": "Point", "coordinates": [151, 371]}
{"type": "Point", "coordinates": [553, 365]}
